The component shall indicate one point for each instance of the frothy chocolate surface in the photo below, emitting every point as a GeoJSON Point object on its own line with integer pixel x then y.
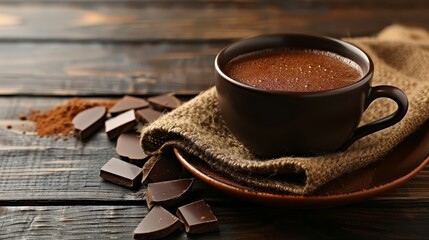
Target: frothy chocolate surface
{"type": "Point", "coordinates": [294, 70]}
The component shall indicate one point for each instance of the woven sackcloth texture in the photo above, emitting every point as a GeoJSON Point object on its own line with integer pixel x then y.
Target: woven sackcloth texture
{"type": "Point", "coordinates": [401, 59]}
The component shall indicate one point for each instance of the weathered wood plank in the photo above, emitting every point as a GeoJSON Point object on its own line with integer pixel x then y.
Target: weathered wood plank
{"type": "Point", "coordinates": [70, 222]}
{"type": "Point", "coordinates": [105, 69]}
{"type": "Point", "coordinates": [54, 170]}
{"type": "Point", "coordinates": [36, 170]}
{"type": "Point", "coordinates": [67, 171]}
{"type": "Point", "coordinates": [237, 221]}
{"type": "Point", "coordinates": [63, 172]}
{"type": "Point", "coordinates": [164, 21]}
{"type": "Point", "coordinates": [51, 169]}
{"type": "Point", "coordinates": [57, 170]}
{"type": "Point", "coordinates": [332, 3]}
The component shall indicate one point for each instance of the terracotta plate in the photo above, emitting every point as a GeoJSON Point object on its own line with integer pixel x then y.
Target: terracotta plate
{"type": "Point", "coordinates": [400, 165]}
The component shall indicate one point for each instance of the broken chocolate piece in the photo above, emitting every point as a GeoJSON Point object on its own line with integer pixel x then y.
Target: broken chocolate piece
{"type": "Point", "coordinates": [164, 102]}
{"type": "Point", "coordinates": [129, 149]}
{"type": "Point", "coordinates": [147, 115]}
{"type": "Point", "coordinates": [88, 122]}
{"type": "Point", "coordinates": [121, 123]}
{"type": "Point", "coordinates": [127, 103]}
{"type": "Point", "coordinates": [161, 168]}
{"type": "Point", "coordinates": [168, 193]}
{"type": "Point", "coordinates": [198, 217]}
{"type": "Point", "coordinates": [121, 173]}
{"type": "Point", "coordinates": [158, 223]}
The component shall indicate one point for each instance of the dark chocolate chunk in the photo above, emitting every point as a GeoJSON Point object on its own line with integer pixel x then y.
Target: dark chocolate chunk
{"type": "Point", "coordinates": [88, 122]}
{"type": "Point", "coordinates": [147, 115]}
{"type": "Point", "coordinates": [198, 217]}
{"type": "Point", "coordinates": [121, 173]}
{"type": "Point", "coordinates": [121, 123]}
{"type": "Point", "coordinates": [158, 223]}
{"type": "Point", "coordinates": [161, 168]}
{"type": "Point", "coordinates": [164, 102]}
{"type": "Point", "coordinates": [129, 149]}
{"type": "Point", "coordinates": [127, 103]}
{"type": "Point", "coordinates": [168, 193]}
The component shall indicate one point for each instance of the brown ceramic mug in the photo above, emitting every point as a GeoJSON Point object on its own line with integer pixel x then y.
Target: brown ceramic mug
{"type": "Point", "coordinates": [273, 123]}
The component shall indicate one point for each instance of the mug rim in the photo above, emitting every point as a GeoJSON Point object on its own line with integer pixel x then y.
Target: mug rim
{"type": "Point", "coordinates": [351, 47]}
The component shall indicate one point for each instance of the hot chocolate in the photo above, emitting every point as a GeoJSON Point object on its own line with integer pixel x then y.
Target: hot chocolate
{"type": "Point", "coordinates": [291, 110]}
{"type": "Point", "coordinates": [294, 70]}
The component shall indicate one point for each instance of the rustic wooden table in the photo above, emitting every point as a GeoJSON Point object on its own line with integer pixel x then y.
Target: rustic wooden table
{"type": "Point", "coordinates": [51, 51]}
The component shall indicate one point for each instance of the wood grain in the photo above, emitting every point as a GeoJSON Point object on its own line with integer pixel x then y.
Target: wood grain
{"type": "Point", "coordinates": [105, 69]}
{"type": "Point", "coordinates": [50, 189]}
{"type": "Point", "coordinates": [236, 222]}
{"type": "Point", "coordinates": [57, 171]}
{"type": "Point", "coordinates": [312, 3]}
{"type": "Point", "coordinates": [37, 171]}
{"type": "Point", "coordinates": [156, 21]}
{"type": "Point", "coordinates": [70, 222]}
{"type": "Point", "coordinates": [67, 171]}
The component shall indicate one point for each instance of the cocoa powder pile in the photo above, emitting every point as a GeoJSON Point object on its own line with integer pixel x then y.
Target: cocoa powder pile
{"type": "Point", "coordinates": [58, 120]}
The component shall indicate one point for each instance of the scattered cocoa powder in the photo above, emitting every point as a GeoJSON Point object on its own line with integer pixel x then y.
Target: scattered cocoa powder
{"type": "Point", "coordinates": [58, 120]}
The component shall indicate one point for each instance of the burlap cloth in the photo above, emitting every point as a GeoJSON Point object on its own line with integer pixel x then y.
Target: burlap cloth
{"type": "Point", "coordinates": [401, 59]}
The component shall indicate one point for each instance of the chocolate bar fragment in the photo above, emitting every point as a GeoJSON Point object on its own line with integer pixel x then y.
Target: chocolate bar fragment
{"type": "Point", "coordinates": [161, 168]}
{"type": "Point", "coordinates": [165, 102]}
{"type": "Point", "coordinates": [158, 223]}
{"type": "Point", "coordinates": [168, 193]}
{"type": "Point", "coordinates": [121, 123]}
{"type": "Point", "coordinates": [127, 103]}
{"type": "Point", "coordinates": [129, 149]}
{"type": "Point", "coordinates": [88, 122]}
{"type": "Point", "coordinates": [121, 173]}
{"type": "Point", "coordinates": [198, 217]}
{"type": "Point", "coordinates": [147, 115]}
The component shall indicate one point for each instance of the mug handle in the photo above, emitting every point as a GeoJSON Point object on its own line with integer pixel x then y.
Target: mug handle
{"type": "Point", "coordinates": [391, 92]}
